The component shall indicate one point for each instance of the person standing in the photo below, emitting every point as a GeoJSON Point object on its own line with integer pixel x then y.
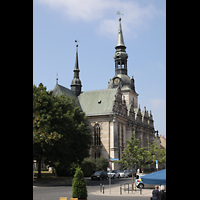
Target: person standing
{"type": "Point", "coordinates": [162, 193]}
{"type": "Point", "coordinates": [155, 193]}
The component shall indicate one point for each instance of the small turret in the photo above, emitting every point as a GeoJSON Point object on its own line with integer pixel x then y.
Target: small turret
{"type": "Point", "coordinates": [76, 82]}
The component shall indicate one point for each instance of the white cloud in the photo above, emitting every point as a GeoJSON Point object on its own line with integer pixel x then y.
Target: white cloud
{"type": "Point", "coordinates": [135, 15]}
{"type": "Point", "coordinates": [158, 103]}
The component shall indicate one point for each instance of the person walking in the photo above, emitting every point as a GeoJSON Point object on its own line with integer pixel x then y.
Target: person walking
{"type": "Point", "coordinates": [162, 193]}
{"type": "Point", "coordinates": [155, 193]}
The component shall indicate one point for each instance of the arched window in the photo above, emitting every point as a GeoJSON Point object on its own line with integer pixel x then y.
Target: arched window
{"type": "Point", "coordinates": [97, 139]}
{"type": "Point", "coordinates": [97, 154]}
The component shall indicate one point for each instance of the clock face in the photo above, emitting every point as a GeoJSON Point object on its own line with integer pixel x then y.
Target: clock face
{"type": "Point", "coordinates": [116, 81]}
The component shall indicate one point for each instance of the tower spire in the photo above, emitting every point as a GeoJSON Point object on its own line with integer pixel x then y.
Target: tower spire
{"type": "Point", "coordinates": [120, 39]}
{"type": "Point", "coordinates": [120, 53]}
{"type": "Point", "coordinates": [76, 82]}
{"type": "Point", "coordinates": [76, 63]}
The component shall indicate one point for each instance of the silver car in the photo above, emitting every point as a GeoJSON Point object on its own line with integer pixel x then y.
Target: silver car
{"type": "Point", "coordinates": [126, 173]}
{"type": "Point", "coordinates": [114, 174]}
{"type": "Point", "coordinates": [121, 173]}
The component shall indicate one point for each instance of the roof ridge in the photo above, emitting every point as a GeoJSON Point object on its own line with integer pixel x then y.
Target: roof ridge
{"type": "Point", "coordinates": [100, 90]}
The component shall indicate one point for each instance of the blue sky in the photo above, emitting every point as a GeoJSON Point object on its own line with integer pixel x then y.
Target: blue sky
{"type": "Point", "coordinates": [58, 23]}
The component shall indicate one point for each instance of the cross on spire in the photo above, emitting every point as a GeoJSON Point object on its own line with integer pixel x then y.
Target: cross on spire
{"type": "Point", "coordinates": [77, 42]}
{"type": "Point", "coordinates": [118, 13]}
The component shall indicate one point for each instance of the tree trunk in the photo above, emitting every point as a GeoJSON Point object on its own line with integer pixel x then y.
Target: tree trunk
{"type": "Point", "coordinates": [39, 167]}
{"type": "Point", "coordinates": [132, 178]}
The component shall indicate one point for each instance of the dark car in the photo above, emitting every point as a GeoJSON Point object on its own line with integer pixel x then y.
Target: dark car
{"type": "Point", "coordinates": [99, 175]}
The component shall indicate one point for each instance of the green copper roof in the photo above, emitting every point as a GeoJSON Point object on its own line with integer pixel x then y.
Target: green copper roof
{"type": "Point", "coordinates": [59, 89]}
{"type": "Point", "coordinates": [97, 102]}
{"type": "Point", "coordinates": [120, 39]}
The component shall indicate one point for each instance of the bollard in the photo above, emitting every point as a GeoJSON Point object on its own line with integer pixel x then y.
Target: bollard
{"type": "Point", "coordinates": [100, 187]}
{"type": "Point", "coordinates": [120, 189]}
{"type": "Point", "coordinates": [140, 190]}
{"type": "Point", "coordinates": [103, 189]}
{"type": "Point", "coordinates": [128, 188]}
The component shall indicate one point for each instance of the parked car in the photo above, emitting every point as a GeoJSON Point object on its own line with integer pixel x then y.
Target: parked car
{"type": "Point", "coordinates": [121, 173]}
{"type": "Point", "coordinates": [140, 184]}
{"type": "Point", "coordinates": [99, 175]}
{"type": "Point", "coordinates": [126, 173]}
{"type": "Point", "coordinates": [114, 174]}
{"type": "Point", "coordinates": [129, 171]}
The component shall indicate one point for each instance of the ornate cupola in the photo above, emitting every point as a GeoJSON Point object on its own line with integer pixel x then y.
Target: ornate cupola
{"type": "Point", "coordinates": [120, 54]}
{"type": "Point", "coordinates": [76, 82]}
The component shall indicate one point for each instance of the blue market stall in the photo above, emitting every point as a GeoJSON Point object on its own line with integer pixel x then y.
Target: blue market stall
{"type": "Point", "coordinates": [157, 178]}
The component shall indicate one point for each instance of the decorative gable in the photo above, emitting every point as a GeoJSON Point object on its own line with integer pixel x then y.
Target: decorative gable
{"type": "Point", "coordinates": [119, 105]}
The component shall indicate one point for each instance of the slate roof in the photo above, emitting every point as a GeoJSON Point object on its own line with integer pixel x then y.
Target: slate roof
{"type": "Point", "coordinates": [97, 102]}
{"type": "Point", "coordinates": [59, 89]}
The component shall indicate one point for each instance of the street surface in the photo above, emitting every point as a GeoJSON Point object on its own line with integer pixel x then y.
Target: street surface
{"type": "Point", "coordinates": [54, 192]}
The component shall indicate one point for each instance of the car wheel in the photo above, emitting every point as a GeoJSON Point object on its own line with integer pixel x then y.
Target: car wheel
{"type": "Point", "coordinates": [141, 186]}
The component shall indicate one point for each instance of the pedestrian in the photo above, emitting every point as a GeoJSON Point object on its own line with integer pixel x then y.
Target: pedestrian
{"type": "Point", "coordinates": [155, 193]}
{"type": "Point", "coordinates": [162, 193]}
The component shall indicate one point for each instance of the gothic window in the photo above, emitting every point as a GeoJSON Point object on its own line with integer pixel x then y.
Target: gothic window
{"type": "Point", "coordinates": [122, 137]}
{"type": "Point", "coordinates": [97, 139]}
{"type": "Point", "coordinates": [97, 154]}
{"type": "Point", "coordinates": [119, 138]}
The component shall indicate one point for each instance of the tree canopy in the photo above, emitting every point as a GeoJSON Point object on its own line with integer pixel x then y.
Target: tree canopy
{"type": "Point", "coordinates": [60, 129]}
{"type": "Point", "coordinates": [132, 154]}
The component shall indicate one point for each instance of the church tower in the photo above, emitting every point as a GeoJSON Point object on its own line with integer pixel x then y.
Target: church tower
{"type": "Point", "coordinates": [121, 77]}
{"type": "Point", "coordinates": [76, 82]}
{"type": "Point", "coordinates": [120, 54]}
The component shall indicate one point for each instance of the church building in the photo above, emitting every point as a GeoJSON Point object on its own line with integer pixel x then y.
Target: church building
{"type": "Point", "coordinates": [113, 113]}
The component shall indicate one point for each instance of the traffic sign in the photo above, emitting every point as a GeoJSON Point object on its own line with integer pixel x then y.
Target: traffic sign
{"type": "Point", "coordinates": [156, 164]}
{"type": "Point", "coordinates": [114, 159]}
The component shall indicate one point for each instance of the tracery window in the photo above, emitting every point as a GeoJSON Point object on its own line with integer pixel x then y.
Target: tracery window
{"type": "Point", "coordinates": [97, 138]}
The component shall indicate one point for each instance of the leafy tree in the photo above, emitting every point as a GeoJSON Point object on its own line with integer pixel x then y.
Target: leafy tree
{"type": "Point", "coordinates": [154, 149]}
{"type": "Point", "coordinates": [88, 165]}
{"type": "Point", "coordinates": [79, 187]}
{"type": "Point", "coordinates": [60, 129]}
{"type": "Point", "coordinates": [132, 154]}
{"type": "Point", "coordinates": [101, 163]}
{"type": "Point", "coordinates": [43, 132]}
{"type": "Point", "coordinates": [163, 156]}
{"type": "Point", "coordinates": [156, 153]}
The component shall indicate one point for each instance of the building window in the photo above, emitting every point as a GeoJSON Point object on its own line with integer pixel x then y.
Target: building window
{"type": "Point", "coordinates": [122, 137]}
{"type": "Point", "coordinates": [119, 138]}
{"type": "Point", "coordinates": [97, 139]}
{"type": "Point", "coordinates": [97, 154]}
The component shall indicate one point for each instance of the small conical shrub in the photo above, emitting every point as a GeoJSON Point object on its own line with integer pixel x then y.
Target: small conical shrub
{"type": "Point", "coordinates": [79, 187]}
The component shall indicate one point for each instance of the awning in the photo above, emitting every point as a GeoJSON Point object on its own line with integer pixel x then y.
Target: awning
{"type": "Point", "coordinates": [157, 178]}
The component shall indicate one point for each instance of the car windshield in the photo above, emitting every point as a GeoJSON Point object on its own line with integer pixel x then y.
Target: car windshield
{"type": "Point", "coordinates": [126, 171]}
{"type": "Point", "coordinates": [114, 171]}
{"type": "Point", "coordinates": [97, 173]}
